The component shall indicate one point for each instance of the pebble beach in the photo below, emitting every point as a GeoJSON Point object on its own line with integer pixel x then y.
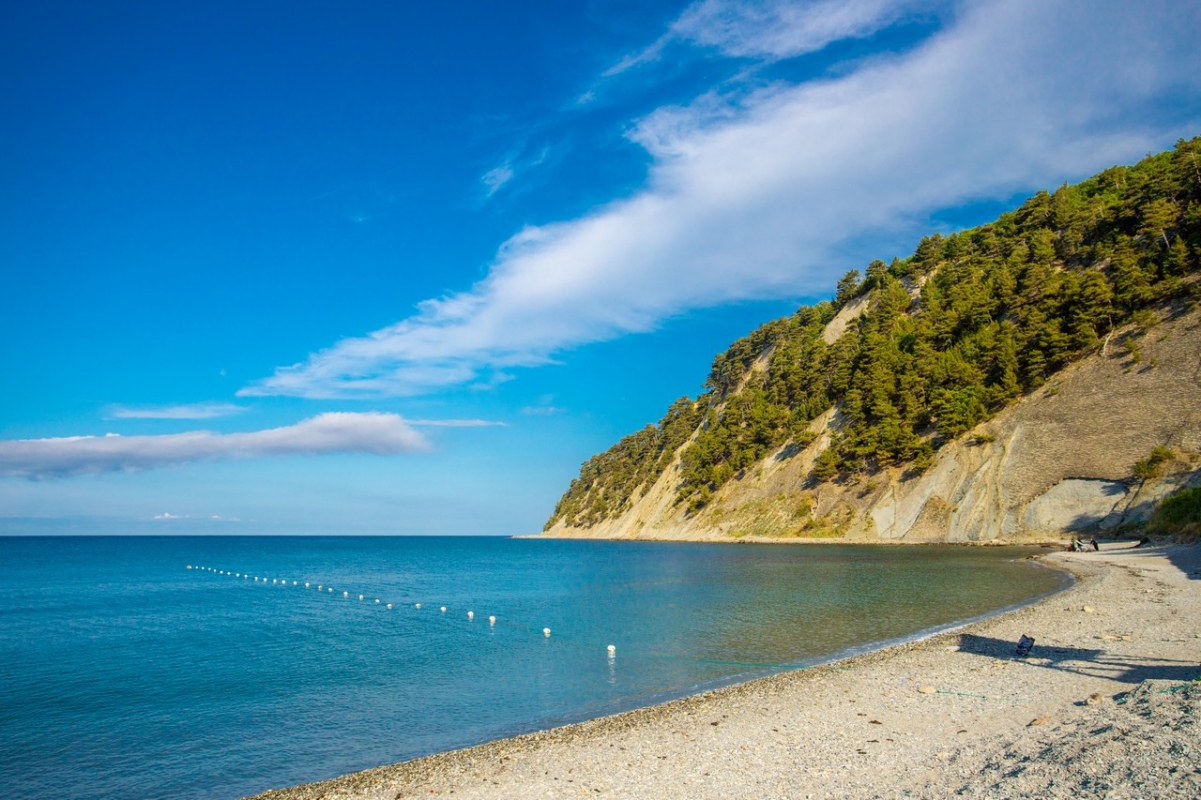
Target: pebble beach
{"type": "Point", "coordinates": [1105, 705]}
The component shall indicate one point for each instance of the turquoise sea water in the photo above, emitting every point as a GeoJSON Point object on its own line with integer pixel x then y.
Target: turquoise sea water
{"type": "Point", "coordinates": [123, 674]}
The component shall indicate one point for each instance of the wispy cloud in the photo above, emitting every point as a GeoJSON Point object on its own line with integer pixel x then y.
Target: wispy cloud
{"type": "Point", "coordinates": [784, 29]}
{"type": "Point", "coordinates": [497, 177]}
{"type": "Point", "coordinates": [543, 406]}
{"type": "Point", "coordinates": [779, 189]}
{"type": "Point", "coordinates": [191, 411]}
{"type": "Point", "coordinates": [456, 423]}
{"type": "Point", "coordinates": [775, 29]}
{"type": "Point", "coordinates": [167, 516]}
{"type": "Point", "coordinates": [379, 434]}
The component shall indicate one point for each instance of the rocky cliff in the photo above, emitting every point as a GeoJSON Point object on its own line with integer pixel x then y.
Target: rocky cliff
{"type": "Point", "coordinates": [1060, 459]}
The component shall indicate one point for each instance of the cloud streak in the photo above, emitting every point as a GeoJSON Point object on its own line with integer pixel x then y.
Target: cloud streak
{"type": "Point", "coordinates": [374, 433]}
{"type": "Point", "coordinates": [761, 191]}
{"type": "Point", "coordinates": [192, 411]}
{"type": "Point", "coordinates": [456, 423]}
{"type": "Point", "coordinates": [497, 177]}
{"type": "Point", "coordinates": [775, 29]}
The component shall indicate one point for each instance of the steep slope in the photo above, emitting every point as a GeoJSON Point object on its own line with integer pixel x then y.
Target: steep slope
{"type": "Point", "coordinates": [1000, 382]}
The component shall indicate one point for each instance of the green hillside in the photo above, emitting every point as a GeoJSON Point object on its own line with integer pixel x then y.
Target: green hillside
{"type": "Point", "coordinates": [950, 336]}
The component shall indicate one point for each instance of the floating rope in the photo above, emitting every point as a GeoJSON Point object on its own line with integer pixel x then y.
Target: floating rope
{"type": "Point", "coordinates": [545, 632]}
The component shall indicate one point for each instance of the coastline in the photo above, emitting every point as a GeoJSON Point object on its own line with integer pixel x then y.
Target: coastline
{"type": "Point", "coordinates": [954, 711]}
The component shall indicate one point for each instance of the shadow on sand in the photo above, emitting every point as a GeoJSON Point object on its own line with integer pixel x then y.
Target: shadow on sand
{"type": "Point", "coordinates": [1085, 661]}
{"type": "Point", "coordinates": [1185, 557]}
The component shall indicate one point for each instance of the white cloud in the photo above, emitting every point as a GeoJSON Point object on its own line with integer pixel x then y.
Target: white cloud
{"type": "Point", "coordinates": [781, 189]}
{"type": "Point", "coordinates": [774, 29]}
{"type": "Point", "coordinates": [379, 434]}
{"type": "Point", "coordinates": [542, 411]}
{"type": "Point", "coordinates": [456, 423]}
{"type": "Point", "coordinates": [167, 515]}
{"type": "Point", "coordinates": [192, 411]}
{"type": "Point", "coordinates": [497, 177]}
{"type": "Point", "coordinates": [782, 29]}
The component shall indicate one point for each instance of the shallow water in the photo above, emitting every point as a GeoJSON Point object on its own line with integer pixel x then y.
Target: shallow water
{"type": "Point", "coordinates": [124, 674]}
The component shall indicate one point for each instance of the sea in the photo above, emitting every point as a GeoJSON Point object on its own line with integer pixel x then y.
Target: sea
{"type": "Point", "coordinates": [217, 667]}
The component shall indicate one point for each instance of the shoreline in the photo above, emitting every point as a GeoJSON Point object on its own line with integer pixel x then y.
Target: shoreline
{"type": "Point", "coordinates": [1060, 541]}
{"type": "Point", "coordinates": [939, 708]}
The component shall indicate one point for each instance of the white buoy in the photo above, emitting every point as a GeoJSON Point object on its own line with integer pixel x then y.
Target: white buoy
{"type": "Point", "coordinates": [189, 566]}
{"type": "Point", "coordinates": [377, 599]}
{"type": "Point", "coordinates": [417, 606]}
{"type": "Point", "coordinates": [491, 620]}
{"type": "Point", "coordinates": [389, 605]}
{"type": "Point", "coordinates": [443, 609]}
{"type": "Point", "coordinates": [612, 649]}
{"type": "Point", "coordinates": [331, 591]}
{"type": "Point", "coordinates": [470, 615]}
{"type": "Point", "coordinates": [546, 631]}
{"type": "Point", "coordinates": [306, 584]}
{"type": "Point", "coordinates": [346, 594]}
{"type": "Point", "coordinates": [293, 583]}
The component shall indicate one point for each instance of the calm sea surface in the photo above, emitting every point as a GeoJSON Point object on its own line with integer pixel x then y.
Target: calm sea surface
{"type": "Point", "coordinates": [124, 674]}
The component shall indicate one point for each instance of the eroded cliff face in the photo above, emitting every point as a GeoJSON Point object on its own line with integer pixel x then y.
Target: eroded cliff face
{"type": "Point", "coordinates": [1058, 460]}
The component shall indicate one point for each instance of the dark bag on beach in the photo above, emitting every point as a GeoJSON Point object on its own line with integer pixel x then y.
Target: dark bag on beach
{"type": "Point", "coordinates": [1024, 645]}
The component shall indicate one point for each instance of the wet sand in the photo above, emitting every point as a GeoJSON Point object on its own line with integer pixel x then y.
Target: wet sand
{"type": "Point", "coordinates": [1105, 705]}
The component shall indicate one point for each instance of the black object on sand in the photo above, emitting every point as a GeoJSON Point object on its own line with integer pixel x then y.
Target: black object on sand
{"type": "Point", "coordinates": [1024, 645]}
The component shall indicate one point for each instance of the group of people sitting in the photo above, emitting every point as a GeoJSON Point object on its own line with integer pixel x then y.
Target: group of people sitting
{"type": "Point", "coordinates": [1078, 546]}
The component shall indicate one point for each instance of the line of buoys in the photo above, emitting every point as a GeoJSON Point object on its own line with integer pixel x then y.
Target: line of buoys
{"type": "Point", "coordinates": [546, 632]}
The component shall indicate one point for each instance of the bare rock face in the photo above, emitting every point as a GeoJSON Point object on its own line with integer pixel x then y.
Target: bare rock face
{"type": "Point", "coordinates": [1062, 458]}
{"type": "Point", "coordinates": [1059, 460]}
{"type": "Point", "coordinates": [1075, 504]}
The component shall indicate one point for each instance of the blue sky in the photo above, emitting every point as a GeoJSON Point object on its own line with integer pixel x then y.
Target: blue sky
{"type": "Point", "coordinates": [400, 268]}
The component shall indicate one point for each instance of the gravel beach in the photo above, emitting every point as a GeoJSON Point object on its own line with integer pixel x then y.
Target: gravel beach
{"type": "Point", "coordinates": [1105, 705]}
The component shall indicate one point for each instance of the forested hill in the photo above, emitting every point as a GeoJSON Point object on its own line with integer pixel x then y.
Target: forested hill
{"type": "Point", "coordinates": [947, 338]}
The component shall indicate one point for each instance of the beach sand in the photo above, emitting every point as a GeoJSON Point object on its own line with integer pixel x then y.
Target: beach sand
{"type": "Point", "coordinates": [1104, 706]}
